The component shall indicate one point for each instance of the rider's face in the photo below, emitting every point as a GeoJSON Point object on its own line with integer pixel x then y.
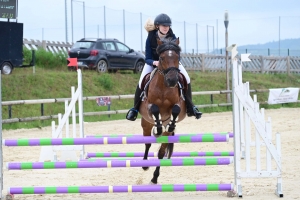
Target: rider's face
{"type": "Point", "coordinates": [164, 29]}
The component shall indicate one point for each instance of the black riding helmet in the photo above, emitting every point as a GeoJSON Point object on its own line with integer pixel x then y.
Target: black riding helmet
{"type": "Point", "coordinates": [163, 19]}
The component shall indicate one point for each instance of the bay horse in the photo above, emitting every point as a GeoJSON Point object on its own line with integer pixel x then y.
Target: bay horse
{"type": "Point", "coordinates": [163, 105]}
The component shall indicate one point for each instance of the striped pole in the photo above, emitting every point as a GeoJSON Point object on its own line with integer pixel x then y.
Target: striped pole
{"type": "Point", "coordinates": [119, 189]}
{"type": "Point", "coordinates": [118, 140]}
{"type": "Point", "coordinates": [178, 134]}
{"type": "Point", "coordinates": [119, 163]}
{"type": "Point", "coordinates": [154, 154]}
{"type": "Point", "coordinates": [133, 159]}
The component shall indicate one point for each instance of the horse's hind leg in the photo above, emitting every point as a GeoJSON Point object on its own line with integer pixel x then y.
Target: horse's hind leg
{"type": "Point", "coordinates": [146, 132]}
{"type": "Point", "coordinates": [158, 128]}
{"type": "Point", "coordinates": [161, 154]}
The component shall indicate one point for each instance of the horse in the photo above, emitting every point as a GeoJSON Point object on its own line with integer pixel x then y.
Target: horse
{"type": "Point", "coordinates": [163, 105]}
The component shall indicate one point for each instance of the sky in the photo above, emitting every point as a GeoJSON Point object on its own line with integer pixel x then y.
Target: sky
{"type": "Point", "coordinates": [198, 23]}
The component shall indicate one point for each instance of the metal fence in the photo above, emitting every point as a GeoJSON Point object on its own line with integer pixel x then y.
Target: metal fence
{"type": "Point", "coordinates": [201, 62]}
{"type": "Point", "coordinates": [200, 36]}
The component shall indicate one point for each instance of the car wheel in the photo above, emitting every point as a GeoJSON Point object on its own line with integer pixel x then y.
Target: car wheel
{"type": "Point", "coordinates": [101, 66]}
{"type": "Point", "coordinates": [6, 68]}
{"type": "Point", "coordinates": [139, 67]}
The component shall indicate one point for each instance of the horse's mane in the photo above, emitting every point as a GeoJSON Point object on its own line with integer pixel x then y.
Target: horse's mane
{"type": "Point", "coordinates": [168, 44]}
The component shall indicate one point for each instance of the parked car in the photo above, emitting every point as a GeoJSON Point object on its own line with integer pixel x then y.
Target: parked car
{"type": "Point", "coordinates": [106, 55]}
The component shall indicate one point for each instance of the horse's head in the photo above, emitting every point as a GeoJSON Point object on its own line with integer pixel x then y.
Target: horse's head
{"type": "Point", "coordinates": [168, 51]}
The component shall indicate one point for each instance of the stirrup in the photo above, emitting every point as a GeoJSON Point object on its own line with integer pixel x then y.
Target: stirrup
{"type": "Point", "coordinates": [132, 114]}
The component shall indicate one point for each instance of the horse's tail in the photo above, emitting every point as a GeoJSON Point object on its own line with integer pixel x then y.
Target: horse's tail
{"type": "Point", "coordinates": [170, 150]}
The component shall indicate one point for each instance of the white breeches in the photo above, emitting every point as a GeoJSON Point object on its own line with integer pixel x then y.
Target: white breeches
{"type": "Point", "coordinates": [147, 69]}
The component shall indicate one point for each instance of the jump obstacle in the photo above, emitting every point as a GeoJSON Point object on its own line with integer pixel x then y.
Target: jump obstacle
{"type": "Point", "coordinates": [243, 108]}
{"type": "Point", "coordinates": [121, 189]}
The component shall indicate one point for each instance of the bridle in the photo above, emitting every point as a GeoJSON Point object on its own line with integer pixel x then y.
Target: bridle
{"type": "Point", "coordinates": [169, 69]}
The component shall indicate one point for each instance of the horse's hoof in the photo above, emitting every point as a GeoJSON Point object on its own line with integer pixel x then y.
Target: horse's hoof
{"type": "Point", "coordinates": [157, 132]}
{"type": "Point", "coordinates": [151, 183]}
{"type": "Point", "coordinates": [145, 168]}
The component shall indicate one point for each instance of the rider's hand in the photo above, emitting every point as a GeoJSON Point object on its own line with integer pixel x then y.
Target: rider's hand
{"type": "Point", "coordinates": [156, 63]}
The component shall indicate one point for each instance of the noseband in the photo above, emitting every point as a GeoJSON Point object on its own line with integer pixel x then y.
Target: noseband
{"type": "Point", "coordinates": [166, 71]}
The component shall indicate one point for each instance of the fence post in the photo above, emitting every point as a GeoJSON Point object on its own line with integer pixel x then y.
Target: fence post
{"type": "Point", "coordinates": [203, 63]}
{"type": "Point", "coordinates": [9, 112]}
{"type": "Point", "coordinates": [262, 64]}
{"type": "Point", "coordinates": [288, 65]}
{"type": "Point", "coordinates": [44, 46]}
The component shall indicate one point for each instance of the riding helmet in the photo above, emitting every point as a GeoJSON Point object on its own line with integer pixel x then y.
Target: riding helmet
{"type": "Point", "coordinates": [163, 19]}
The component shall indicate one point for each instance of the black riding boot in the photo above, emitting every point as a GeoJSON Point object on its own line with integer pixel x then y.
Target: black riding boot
{"type": "Point", "coordinates": [133, 112]}
{"type": "Point", "coordinates": [191, 110]}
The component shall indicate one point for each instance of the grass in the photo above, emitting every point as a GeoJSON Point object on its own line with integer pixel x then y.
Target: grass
{"type": "Point", "coordinates": [50, 82]}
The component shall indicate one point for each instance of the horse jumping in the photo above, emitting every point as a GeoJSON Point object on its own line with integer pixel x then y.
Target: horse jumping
{"type": "Point", "coordinates": [163, 106]}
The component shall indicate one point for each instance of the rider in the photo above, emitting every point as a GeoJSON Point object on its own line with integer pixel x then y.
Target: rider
{"type": "Point", "coordinates": [162, 30]}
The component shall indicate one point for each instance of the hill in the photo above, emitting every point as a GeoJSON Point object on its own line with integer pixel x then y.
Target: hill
{"type": "Point", "coordinates": [287, 47]}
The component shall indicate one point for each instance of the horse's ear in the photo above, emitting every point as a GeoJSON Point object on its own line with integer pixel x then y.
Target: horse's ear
{"type": "Point", "coordinates": [177, 41]}
{"type": "Point", "coordinates": [159, 42]}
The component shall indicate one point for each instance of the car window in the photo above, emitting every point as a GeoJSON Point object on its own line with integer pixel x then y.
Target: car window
{"type": "Point", "coordinates": [99, 45]}
{"type": "Point", "coordinates": [83, 45]}
{"type": "Point", "coordinates": [109, 46]}
{"type": "Point", "coordinates": [122, 47]}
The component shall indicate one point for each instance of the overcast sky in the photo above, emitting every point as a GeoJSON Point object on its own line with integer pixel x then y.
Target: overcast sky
{"type": "Point", "coordinates": [250, 22]}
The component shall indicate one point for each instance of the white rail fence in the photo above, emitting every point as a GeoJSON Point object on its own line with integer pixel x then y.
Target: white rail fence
{"type": "Point", "coordinates": [10, 104]}
{"type": "Point", "coordinates": [199, 62]}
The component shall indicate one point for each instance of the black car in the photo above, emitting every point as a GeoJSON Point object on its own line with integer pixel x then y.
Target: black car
{"type": "Point", "coordinates": [106, 55]}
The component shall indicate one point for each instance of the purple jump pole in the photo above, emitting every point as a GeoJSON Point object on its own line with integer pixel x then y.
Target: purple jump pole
{"type": "Point", "coordinates": [154, 154]}
{"type": "Point", "coordinates": [178, 134]}
{"type": "Point", "coordinates": [119, 163]}
{"type": "Point", "coordinates": [117, 140]}
{"type": "Point", "coordinates": [121, 189]}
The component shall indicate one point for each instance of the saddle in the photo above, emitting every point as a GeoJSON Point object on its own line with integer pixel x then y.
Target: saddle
{"type": "Point", "coordinates": [182, 84]}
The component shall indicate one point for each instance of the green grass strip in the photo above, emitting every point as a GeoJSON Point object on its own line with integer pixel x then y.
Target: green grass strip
{"type": "Point", "coordinates": [184, 139]}
{"type": "Point", "coordinates": [162, 139]}
{"type": "Point", "coordinates": [51, 190]}
{"type": "Point", "coordinates": [73, 189]}
{"type": "Point", "coordinates": [165, 162]}
{"type": "Point", "coordinates": [68, 141]}
{"type": "Point", "coordinates": [28, 190]}
{"type": "Point", "coordinates": [188, 162]}
{"type": "Point", "coordinates": [190, 187]}
{"type": "Point", "coordinates": [23, 142]}
{"type": "Point", "coordinates": [212, 187]}
{"type": "Point", "coordinates": [211, 161]}
{"type": "Point", "coordinates": [167, 188]}
{"type": "Point", "coordinates": [26, 165]}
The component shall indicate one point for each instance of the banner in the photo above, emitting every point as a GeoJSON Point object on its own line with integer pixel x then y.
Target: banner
{"type": "Point", "coordinates": [103, 101]}
{"type": "Point", "coordinates": [283, 95]}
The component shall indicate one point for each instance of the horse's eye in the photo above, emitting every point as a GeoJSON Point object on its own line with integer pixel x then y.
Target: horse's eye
{"type": "Point", "coordinates": [161, 59]}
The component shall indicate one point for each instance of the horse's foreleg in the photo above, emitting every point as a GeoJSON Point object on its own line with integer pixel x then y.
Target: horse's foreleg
{"type": "Point", "coordinates": [147, 147]}
{"type": "Point", "coordinates": [175, 112]}
{"type": "Point", "coordinates": [161, 154]}
{"type": "Point", "coordinates": [158, 128]}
